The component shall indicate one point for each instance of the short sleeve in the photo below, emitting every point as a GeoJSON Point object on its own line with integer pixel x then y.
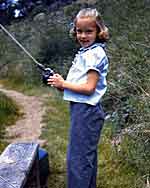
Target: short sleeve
{"type": "Point", "coordinates": [96, 59]}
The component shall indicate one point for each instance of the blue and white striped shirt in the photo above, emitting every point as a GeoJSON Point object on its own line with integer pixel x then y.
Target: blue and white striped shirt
{"type": "Point", "coordinates": [90, 58]}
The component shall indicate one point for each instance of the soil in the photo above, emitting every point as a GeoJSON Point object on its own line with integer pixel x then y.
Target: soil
{"type": "Point", "coordinates": [29, 127]}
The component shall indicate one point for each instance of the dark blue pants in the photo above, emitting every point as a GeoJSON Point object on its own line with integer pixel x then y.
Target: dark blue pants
{"type": "Point", "coordinates": [86, 124]}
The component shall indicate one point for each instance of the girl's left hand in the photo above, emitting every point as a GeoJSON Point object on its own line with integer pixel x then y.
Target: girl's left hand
{"type": "Point", "coordinates": [56, 81]}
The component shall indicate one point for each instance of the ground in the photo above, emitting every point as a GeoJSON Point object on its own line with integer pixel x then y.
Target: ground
{"type": "Point", "coordinates": [27, 128]}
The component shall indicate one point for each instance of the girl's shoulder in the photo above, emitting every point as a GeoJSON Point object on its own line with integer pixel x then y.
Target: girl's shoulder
{"type": "Point", "coordinates": [97, 51]}
{"type": "Point", "coordinates": [94, 56]}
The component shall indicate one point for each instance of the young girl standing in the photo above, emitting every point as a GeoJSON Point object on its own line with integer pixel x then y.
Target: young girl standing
{"type": "Point", "coordinates": [84, 87]}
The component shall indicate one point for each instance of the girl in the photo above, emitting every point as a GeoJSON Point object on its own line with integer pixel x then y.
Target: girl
{"type": "Point", "coordinates": [84, 87]}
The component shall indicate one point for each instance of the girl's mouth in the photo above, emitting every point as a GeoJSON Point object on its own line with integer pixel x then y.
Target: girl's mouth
{"type": "Point", "coordinates": [84, 42]}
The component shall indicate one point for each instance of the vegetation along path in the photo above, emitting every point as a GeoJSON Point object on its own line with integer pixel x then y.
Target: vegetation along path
{"type": "Point", "coordinates": [27, 128]}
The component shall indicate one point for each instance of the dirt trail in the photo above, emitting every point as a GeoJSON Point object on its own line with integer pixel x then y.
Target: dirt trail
{"type": "Point", "coordinates": [28, 128]}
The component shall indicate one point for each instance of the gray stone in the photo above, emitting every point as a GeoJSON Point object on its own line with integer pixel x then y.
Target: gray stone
{"type": "Point", "coordinates": [16, 163]}
{"type": "Point", "coordinates": [39, 17]}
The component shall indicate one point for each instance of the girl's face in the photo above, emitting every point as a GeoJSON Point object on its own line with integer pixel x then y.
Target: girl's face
{"type": "Point", "coordinates": [86, 31]}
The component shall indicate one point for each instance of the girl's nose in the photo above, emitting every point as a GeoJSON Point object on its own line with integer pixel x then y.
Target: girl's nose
{"type": "Point", "coordinates": [83, 34]}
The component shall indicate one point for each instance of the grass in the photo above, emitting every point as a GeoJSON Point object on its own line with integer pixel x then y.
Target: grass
{"type": "Point", "coordinates": [114, 169]}
{"type": "Point", "coordinates": [56, 132]}
{"type": "Point", "coordinates": [9, 113]}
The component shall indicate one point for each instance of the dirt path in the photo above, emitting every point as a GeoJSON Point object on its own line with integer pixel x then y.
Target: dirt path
{"type": "Point", "coordinates": [29, 127]}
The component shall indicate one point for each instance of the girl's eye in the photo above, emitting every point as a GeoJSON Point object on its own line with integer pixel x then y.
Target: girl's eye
{"type": "Point", "coordinates": [79, 31]}
{"type": "Point", "coordinates": [89, 31]}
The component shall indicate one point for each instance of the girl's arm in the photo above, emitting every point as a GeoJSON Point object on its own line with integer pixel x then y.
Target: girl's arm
{"type": "Point", "coordinates": [86, 88]}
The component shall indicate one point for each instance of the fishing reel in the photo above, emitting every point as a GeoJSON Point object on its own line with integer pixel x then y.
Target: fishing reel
{"type": "Point", "coordinates": [46, 74]}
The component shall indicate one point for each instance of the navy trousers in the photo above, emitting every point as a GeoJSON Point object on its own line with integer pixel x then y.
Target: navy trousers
{"type": "Point", "coordinates": [86, 124]}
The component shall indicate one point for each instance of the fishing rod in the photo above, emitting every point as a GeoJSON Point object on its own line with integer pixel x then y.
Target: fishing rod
{"type": "Point", "coordinates": [46, 72]}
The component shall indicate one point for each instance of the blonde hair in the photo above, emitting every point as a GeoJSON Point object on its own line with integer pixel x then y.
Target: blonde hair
{"type": "Point", "coordinates": [103, 34]}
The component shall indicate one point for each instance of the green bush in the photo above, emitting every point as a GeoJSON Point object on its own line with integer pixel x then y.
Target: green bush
{"type": "Point", "coordinates": [57, 51]}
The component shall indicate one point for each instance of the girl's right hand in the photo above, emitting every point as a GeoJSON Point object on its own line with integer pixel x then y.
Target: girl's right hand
{"type": "Point", "coordinates": [56, 81]}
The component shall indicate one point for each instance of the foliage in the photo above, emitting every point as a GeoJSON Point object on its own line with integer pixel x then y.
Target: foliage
{"type": "Point", "coordinates": [58, 50]}
{"type": "Point", "coordinates": [129, 88]}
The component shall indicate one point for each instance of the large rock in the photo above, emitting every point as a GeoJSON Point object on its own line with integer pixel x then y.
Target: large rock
{"type": "Point", "coordinates": [39, 17]}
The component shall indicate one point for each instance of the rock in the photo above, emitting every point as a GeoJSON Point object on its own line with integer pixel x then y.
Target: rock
{"type": "Point", "coordinates": [39, 17]}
